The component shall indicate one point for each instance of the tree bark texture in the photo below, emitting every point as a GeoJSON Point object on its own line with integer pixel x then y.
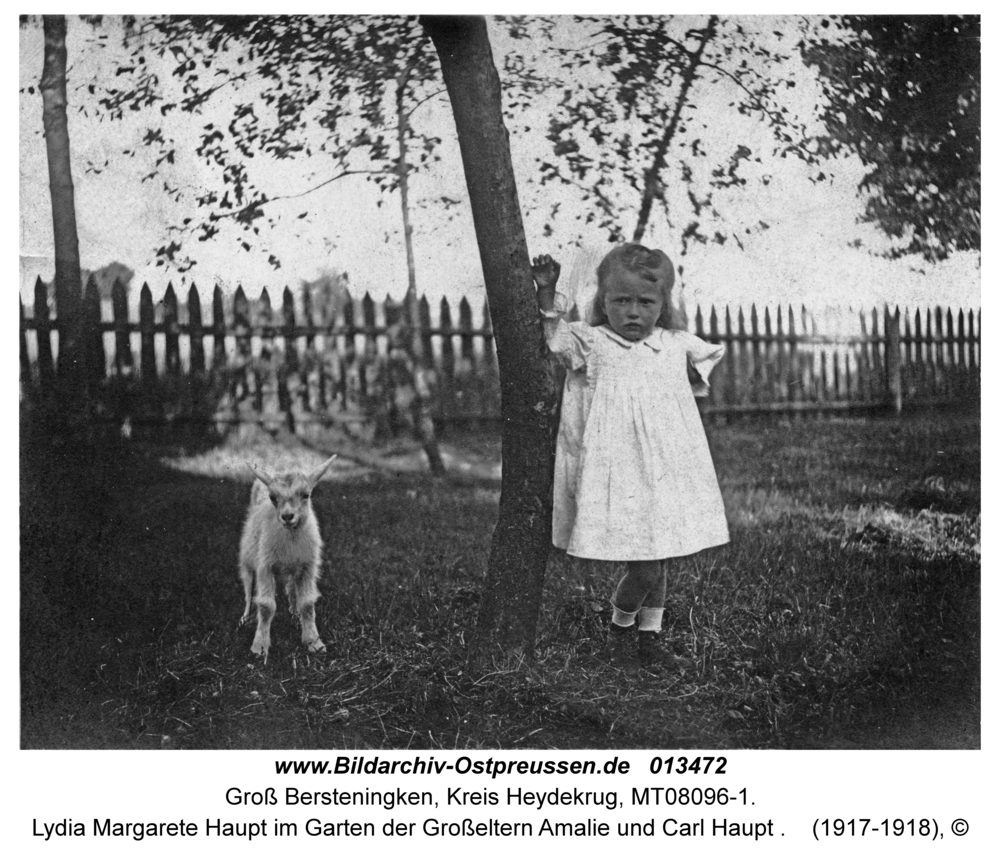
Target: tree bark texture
{"type": "Point", "coordinates": [68, 287]}
{"type": "Point", "coordinates": [508, 614]}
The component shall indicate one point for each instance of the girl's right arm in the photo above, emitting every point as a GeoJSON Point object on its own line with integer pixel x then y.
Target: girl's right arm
{"type": "Point", "coordinates": [569, 343]}
{"type": "Point", "coordinates": [545, 270]}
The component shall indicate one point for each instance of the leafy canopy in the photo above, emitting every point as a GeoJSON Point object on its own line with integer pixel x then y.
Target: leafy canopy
{"type": "Point", "coordinates": [667, 120]}
{"type": "Point", "coordinates": [287, 86]}
{"type": "Point", "coordinates": [904, 93]}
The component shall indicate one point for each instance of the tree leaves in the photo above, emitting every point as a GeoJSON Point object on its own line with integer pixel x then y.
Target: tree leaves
{"type": "Point", "coordinates": [627, 128]}
{"type": "Point", "coordinates": [305, 85]}
{"type": "Point", "coordinates": [904, 94]}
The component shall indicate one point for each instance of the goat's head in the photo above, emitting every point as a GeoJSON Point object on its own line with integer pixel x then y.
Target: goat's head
{"type": "Point", "coordinates": [290, 492]}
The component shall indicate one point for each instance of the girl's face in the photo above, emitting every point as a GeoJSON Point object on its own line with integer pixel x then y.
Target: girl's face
{"type": "Point", "coordinates": [632, 304]}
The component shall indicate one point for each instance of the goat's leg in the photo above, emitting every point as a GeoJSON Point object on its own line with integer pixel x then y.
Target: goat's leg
{"type": "Point", "coordinates": [291, 591]}
{"type": "Point", "coordinates": [266, 605]}
{"type": "Point", "coordinates": [246, 576]}
{"type": "Point", "coordinates": [308, 593]}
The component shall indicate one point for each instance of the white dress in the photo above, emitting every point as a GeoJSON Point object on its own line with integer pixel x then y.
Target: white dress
{"type": "Point", "coordinates": [634, 477]}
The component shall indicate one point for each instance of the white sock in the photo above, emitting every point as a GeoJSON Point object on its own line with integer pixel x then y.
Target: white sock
{"type": "Point", "coordinates": [622, 618]}
{"type": "Point", "coordinates": [650, 619]}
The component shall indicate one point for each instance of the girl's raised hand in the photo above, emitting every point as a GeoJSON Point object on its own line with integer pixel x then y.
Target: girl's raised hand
{"type": "Point", "coordinates": [545, 270]}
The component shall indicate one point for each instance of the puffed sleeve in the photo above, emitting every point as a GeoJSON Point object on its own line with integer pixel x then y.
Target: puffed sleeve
{"type": "Point", "coordinates": [568, 342]}
{"type": "Point", "coordinates": [702, 358]}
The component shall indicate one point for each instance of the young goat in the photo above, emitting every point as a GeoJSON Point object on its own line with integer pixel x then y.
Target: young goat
{"type": "Point", "coordinates": [281, 542]}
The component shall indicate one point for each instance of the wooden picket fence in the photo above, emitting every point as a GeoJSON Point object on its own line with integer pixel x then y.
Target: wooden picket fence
{"type": "Point", "coordinates": [250, 362]}
{"type": "Point", "coordinates": [789, 361]}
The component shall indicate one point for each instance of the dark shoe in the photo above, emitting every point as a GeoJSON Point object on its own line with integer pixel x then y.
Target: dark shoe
{"type": "Point", "coordinates": [621, 649]}
{"type": "Point", "coordinates": [654, 651]}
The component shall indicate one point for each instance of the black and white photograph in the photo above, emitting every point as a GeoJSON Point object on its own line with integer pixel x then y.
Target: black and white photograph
{"type": "Point", "coordinates": [522, 383]}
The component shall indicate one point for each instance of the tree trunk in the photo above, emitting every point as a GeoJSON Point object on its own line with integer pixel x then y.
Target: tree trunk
{"type": "Point", "coordinates": [68, 285]}
{"type": "Point", "coordinates": [508, 614]}
{"type": "Point", "coordinates": [423, 422]}
{"type": "Point", "coordinates": [653, 184]}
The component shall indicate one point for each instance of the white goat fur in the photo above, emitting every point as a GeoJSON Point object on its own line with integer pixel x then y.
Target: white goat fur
{"type": "Point", "coordinates": [281, 544]}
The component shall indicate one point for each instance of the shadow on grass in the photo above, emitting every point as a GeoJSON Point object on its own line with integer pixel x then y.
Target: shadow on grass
{"type": "Point", "coordinates": [845, 612]}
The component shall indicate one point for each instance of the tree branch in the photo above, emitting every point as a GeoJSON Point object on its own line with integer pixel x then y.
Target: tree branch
{"type": "Point", "coordinates": [422, 101]}
{"type": "Point", "coordinates": [235, 213]}
{"type": "Point", "coordinates": [755, 100]}
{"type": "Point", "coordinates": [191, 101]}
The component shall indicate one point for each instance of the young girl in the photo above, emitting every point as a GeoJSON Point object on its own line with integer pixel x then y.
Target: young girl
{"type": "Point", "coordinates": [634, 479]}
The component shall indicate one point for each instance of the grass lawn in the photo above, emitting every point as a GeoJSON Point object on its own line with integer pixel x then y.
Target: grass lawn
{"type": "Point", "coordinates": [845, 613]}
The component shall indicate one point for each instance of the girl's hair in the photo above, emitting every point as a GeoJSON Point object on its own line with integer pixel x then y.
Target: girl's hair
{"type": "Point", "coordinates": [653, 265]}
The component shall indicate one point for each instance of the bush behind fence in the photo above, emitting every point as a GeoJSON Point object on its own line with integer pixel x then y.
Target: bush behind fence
{"type": "Point", "coordinates": [246, 361]}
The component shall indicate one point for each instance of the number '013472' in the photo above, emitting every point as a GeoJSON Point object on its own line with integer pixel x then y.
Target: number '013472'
{"type": "Point", "coordinates": [688, 765]}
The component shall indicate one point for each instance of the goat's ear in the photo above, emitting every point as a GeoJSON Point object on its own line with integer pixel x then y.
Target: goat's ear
{"type": "Point", "coordinates": [261, 475]}
{"type": "Point", "coordinates": [315, 476]}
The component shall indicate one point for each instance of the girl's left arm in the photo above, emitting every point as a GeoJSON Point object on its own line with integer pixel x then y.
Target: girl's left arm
{"type": "Point", "coordinates": [701, 358]}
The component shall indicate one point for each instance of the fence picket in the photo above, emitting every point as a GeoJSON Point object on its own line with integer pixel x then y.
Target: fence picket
{"type": "Point", "coordinates": [731, 362]}
{"type": "Point", "coordinates": [93, 336]}
{"type": "Point", "coordinates": [218, 332]}
{"type": "Point", "coordinates": [963, 357]}
{"type": "Point", "coordinates": [876, 361]}
{"type": "Point", "coordinates": [767, 359]}
{"type": "Point", "coordinates": [489, 351]}
{"type": "Point", "coordinates": [465, 326]}
{"type": "Point", "coordinates": [978, 343]}
{"type": "Point", "coordinates": [795, 392]}
{"type": "Point", "coordinates": [824, 390]}
{"type": "Point", "coordinates": [123, 362]}
{"type": "Point", "coordinates": [893, 361]}
{"type": "Point", "coordinates": [919, 364]}
{"type": "Point", "coordinates": [147, 349]}
{"type": "Point", "coordinates": [852, 386]}
{"type": "Point", "coordinates": [470, 360]}
{"type": "Point", "coordinates": [950, 340]}
{"type": "Point", "coordinates": [289, 368]}
{"type": "Point", "coordinates": [864, 371]}
{"type": "Point", "coordinates": [196, 333]}
{"type": "Point", "coordinates": [240, 386]}
{"type": "Point", "coordinates": [241, 325]}
{"type": "Point", "coordinates": [369, 351]}
{"type": "Point", "coordinates": [714, 390]}
{"type": "Point", "coordinates": [347, 352]}
{"type": "Point", "coordinates": [756, 363]}
{"type": "Point", "coordinates": [172, 330]}
{"type": "Point", "coordinates": [781, 359]}
{"type": "Point", "coordinates": [262, 368]}
{"type": "Point", "coordinates": [806, 354]}
{"type": "Point", "coordinates": [929, 352]}
{"type": "Point", "coordinates": [393, 311]}
{"type": "Point", "coordinates": [43, 332]}
{"type": "Point", "coordinates": [310, 357]}
{"type": "Point", "coordinates": [940, 356]}
{"type": "Point", "coordinates": [23, 346]}
{"type": "Point", "coordinates": [446, 386]}
{"type": "Point", "coordinates": [906, 370]}
{"type": "Point", "coordinates": [426, 350]}
{"type": "Point", "coordinates": [742, 375]}
{"type": "Point", "coordinates": [950, 352]}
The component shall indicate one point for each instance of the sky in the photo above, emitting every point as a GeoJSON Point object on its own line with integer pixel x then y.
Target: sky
{"type": "Point", "coordinates": [803, 257]}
